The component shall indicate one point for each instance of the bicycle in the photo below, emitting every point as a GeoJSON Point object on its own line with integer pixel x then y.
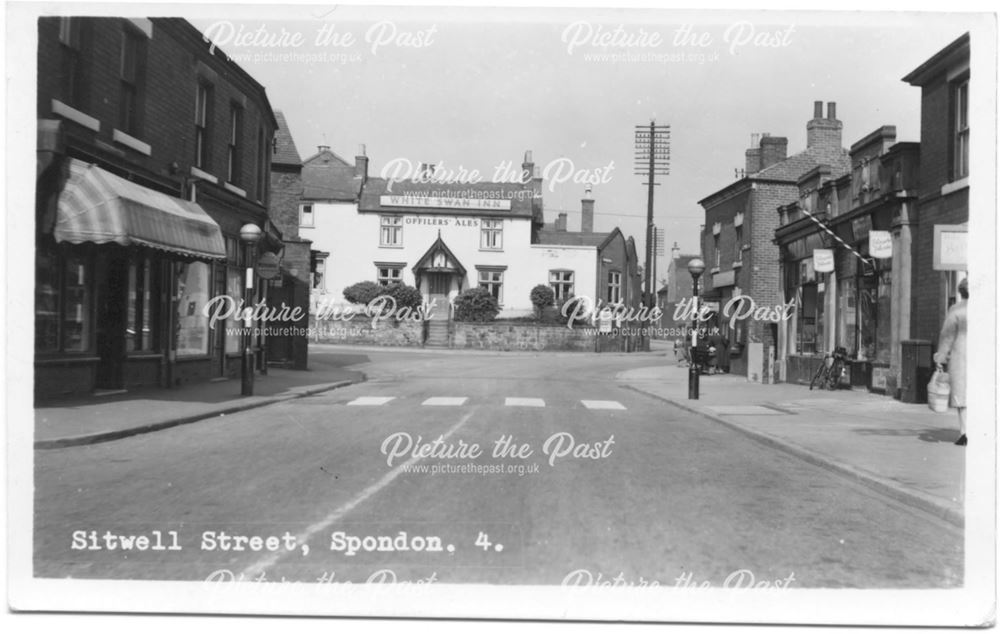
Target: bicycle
{"type": "Point", "coordinates": [828, 375]}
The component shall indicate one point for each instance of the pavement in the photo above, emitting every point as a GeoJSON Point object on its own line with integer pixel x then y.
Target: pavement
{"type": "Point", "coordinates": [902, 450]}
{"type": "Point", "coordinates": [96, 419]}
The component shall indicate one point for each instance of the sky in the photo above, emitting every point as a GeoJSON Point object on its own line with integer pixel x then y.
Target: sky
{"type": "Point", "coordinates": [475, 87]}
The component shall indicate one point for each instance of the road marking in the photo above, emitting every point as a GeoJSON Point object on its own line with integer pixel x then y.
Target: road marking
{"type": "Point", "coordinates": [448, 401]}
{"type": "Point", "coordinates": [262, 566]}
{"type": "Point", "coordinates": [602, 405]}
{"type": "Point", "coordinates": [371, 400]}
{"type": "Point", "coordinates": [514, 401]}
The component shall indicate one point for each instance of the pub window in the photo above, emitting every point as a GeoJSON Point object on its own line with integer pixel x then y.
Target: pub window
{"type": "Point", "coordinates": [202, 117]}
{"type": "Point", "coordinates": [390, 275]}
{"type": "Point", "coordinates": [492, 281]}
{"type": "Point", "coordinates": [614, 287]}
{"type": "Point", "coordinates": [392, 231]}
{"type": "Point", "coordinates": [960, 141]}
{"type": "Point", "coordinates": [491, 235]}
{"type": "Point", "coordinates": [306, 218]}
{"type": "Point", "coordinates": [319, 274]}
{"type": "Point", "coordinates": [235, 134]}
{"type": "Point", "coordinates": [562, 284]}
{"type": "Point", "coordinates": [69, 41]}
{"type": "Point", "coordinates": [132, 64]}
{"type": "Point", "coordinates": [62, 302]}
{"type": "Point", "coordinates": [142, 308]}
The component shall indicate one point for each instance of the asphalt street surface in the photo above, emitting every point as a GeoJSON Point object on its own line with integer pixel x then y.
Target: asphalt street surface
{"type": "Point", "coordinates": [594, 483]}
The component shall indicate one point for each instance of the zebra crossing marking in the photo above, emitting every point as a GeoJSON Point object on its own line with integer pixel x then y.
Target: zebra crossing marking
{"type": "Point", "coordinates": [446, 401]}
{"type": "Point", "coordinates": [371, 400]}
{"type": "Point", "coordinates": [602, 405]}
{"type": "Point", "coordinates": [514, 401]}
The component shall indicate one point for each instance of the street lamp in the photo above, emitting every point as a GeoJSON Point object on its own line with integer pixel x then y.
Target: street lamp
{"type": "Point", "coordinates": [249, 235]}
{"type": "Point", "coordinates": [696, 266]}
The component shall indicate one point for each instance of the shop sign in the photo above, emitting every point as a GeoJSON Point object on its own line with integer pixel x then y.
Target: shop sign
{"type": "Point", "coordinates": [951, 244]}
{"type": "Point", "coordinates": [444, 202]}
{"type": "Point", "coordinates": [879, 244]}
{"type": "Point", "coordinates": [268, 266]}
{"type": "Point", "coordinates": [823, 260]}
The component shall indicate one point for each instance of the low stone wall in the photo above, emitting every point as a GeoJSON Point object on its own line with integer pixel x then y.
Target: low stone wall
{"type": "Point", "coordinates": [360, 332]}
{"type": "Point", "coordinates": [508, 336]}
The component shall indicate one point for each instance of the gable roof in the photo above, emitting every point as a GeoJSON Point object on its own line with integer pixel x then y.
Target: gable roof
{"type": "Point", "coordinates": [326, 176]}
{"type": "Point", "coordinates": [285, 152]}
{"type": "Point", "coordinates": [425, 264]}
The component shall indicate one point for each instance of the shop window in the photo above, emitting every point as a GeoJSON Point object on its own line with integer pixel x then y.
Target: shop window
{"type": "Point", "coordinates": [492, 281]}
{"type": "Point", "coordinates": [192, 295]}
{"type": "Point", "coordinates": [392, 231]}
{"type": "Point", "coordinates": [390, 275]}
{"type": "Point", "coordinates": [306, 218]}
{"type": "Point", "coordinates": [848, 311]}
{"type": "Point", "coordinates": [491, 235]}
{"type": "Point", "coordinates": [960, 129]}
{"type": "Point", "coordinates": [233, 149]}
{"type": "Point", "coordinates": [236, 258]}
{"type": "Point", "coordinates": [202, 123]}
{"type": "Point", "coordinates": [562, 284]}
{"type": "Point", "coordinates": [142, 307]}
{"type": "Point", "coordinates": [62, 302]}
{"type": "Point", "coordinates": [133, 61]}
{"type": "Point", "coordinates": [614, 287]}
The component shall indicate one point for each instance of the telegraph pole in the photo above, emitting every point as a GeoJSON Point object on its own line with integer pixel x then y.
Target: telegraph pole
{"type": "Point", "coordinates": [652, 159]}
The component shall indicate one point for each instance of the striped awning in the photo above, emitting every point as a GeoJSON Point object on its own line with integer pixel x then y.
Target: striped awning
{"type": "Point", "coordinates": [100, 207]}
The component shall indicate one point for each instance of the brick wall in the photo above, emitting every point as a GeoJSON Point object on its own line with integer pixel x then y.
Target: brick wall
{"type": "Point", "coordinates": [763, 276]}
{"type": "Point", "coordinates": [174, 58]}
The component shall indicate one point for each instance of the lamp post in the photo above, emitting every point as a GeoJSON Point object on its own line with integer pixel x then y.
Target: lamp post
{"type": "Point", "coordinates": [249, 236]}
{"type": "Point", "coordinates": [696, 266]}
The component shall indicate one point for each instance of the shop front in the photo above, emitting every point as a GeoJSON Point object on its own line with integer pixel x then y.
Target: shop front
{"type": "Point", "coordinates": [844, 299]}
{"type": "Point", "coordinates": [122, 275]}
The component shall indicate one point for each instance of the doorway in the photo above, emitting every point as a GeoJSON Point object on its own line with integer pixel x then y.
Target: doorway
{"type": "Point", "coordinates": [438, 287]}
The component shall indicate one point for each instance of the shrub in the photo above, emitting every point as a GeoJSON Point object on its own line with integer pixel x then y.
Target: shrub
{"type": "Point", "coordinates": [405, 296]}
{"type": "Point", "coordinates": [476, 304]}
{"type": "Point", "coordinates": [542, 296]}
{"type": "Point", "coordinates": [363, 292]}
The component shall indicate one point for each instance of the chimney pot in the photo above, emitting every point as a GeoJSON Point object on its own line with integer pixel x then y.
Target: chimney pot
{"type": "Point", "coordinates": [831, 110]}
{"type": "Point", "coordinates": [561, 222]}
{"type": "Point", "coordinates": [361, 150]}
{"type": "Point", "coordinates": [817, 110]}
{"type": "Point", "coordinates": [587, 212]}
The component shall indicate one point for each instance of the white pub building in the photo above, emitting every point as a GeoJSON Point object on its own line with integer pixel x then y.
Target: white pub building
{"type": "Point", "coordinates": [441, 238]}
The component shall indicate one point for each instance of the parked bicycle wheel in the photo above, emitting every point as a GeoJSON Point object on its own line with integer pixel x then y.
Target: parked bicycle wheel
{"type": "Point", "coordinates": [836, 371]}
{"type": "Point", "coordinates": [819, 378]}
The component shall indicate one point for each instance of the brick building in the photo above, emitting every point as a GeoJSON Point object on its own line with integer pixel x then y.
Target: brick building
{"type": "Point", "coordinates": [292, 287]}
{"type": "Point", "coordinates": [737, 241]}
{"type": "Point", "coordinates": [939, 227]}
{"type": "Point", "coordinates": [152, 153]}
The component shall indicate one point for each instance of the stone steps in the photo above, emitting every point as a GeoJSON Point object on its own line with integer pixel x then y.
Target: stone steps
{"type": "Point", "coordinates": [437, 334]}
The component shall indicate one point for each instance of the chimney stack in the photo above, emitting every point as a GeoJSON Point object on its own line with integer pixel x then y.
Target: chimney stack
{"type": "Point", "coordinates": [527, 168]}
{"type": "Point", "coordinates": [824, 134]}
{"type": "Point", "coordinates": [773, 149]}
{"type": "Point", "coordinates": [675, 252]}
{"type": "Point", "coordinates": [361, 163]}
{"type": "Point", "coordinates": [753, 155]}
{"type": "Point", "coordinates": [561, 222]}
{"type": "Point", "coordinates": [587, 209]}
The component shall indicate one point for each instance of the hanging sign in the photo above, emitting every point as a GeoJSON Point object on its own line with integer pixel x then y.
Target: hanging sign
{"type": "Point", "coordinates": [823, 260]}
{"type": "Point", "coordinates": [268, 266]}
{"type": "Point", "coordinates": [879, 244]}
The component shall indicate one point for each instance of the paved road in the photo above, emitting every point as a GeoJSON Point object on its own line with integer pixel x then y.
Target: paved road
{"type": "Point", "coordinates": [628, 489]}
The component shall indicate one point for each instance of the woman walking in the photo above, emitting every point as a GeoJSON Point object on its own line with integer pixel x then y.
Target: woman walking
{"type": "Point", "coordinates": [951, 350]}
